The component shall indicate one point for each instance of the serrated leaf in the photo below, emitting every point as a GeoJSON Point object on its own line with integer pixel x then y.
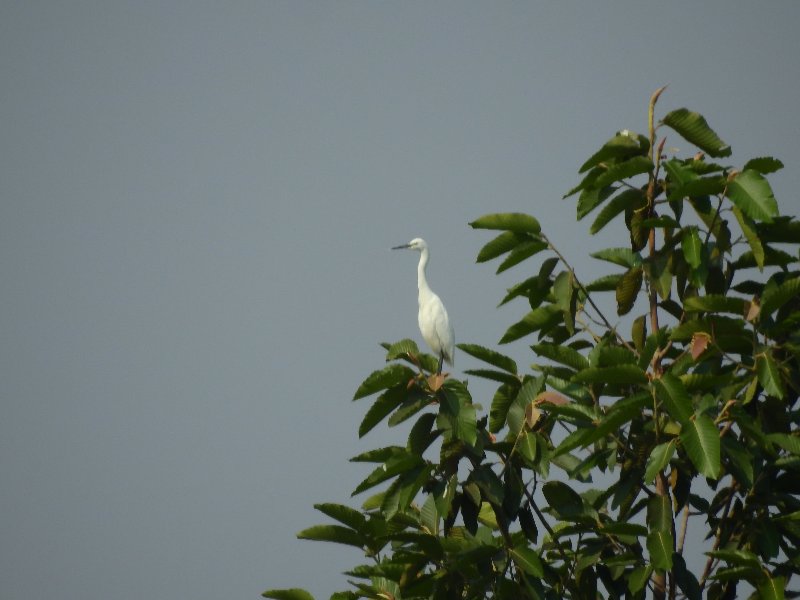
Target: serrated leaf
{"type": "Point", "coordinates": [700, 438]}
{"type": "Point", "coordinates": [624, 257]}
{"type": "Point", "coordinates": [344, 514]}
{"type": "Point", "coordinates": [333, 533]}
{"type": "Point", "coordinates": [562, 354]}
{"type": "Point", "coordinates": [618, 375]}
{"type": "Point", "coordinates": [494, 358]}
{"type": "Point", "coordinates": [528, 560]}
{"type": "Point", "coordinates": [623, 170]}
{"type": "Point", "coordinates": [692, 247]}
{"type": "Point", "coordinates": [768, 375]}
{"type": "Point", "coordinates": [401, 349]}
{"type": "Point", "coordinates": [659, 459]}
{"type": "Point", "coordinates": [288, 594]}
{"type": "Point", "coordinates": [763, 164]}
{"type": "Point", "coordinates": [533, 321]}
{"type": "Point", "coordinates": [775, 297]}
{"type": "Point", "coordinates": [659, 545]}
{"type": "Point", "coordinates": [751, 192]}
{"type": "Point", "coordinates": [381, 408]}
{"type": "Point", "coordinates": [692, 127]}
{"type": "Point", "coordinates": [591, 198]}
{"type": "Point", "coordinates": [623, 145]}
{"type": "Point", "coordinates": [615, 206]}
{"type": "Point", "coordinates": [501, 402]}
{"type": "Point", "coordinates": [628, 290]}
{"type": "Point", "coordinates": [716, 303]}
{"type": "Point", "coordinates": [385, 378]}
{"type": "Point", "coordinates": [519, 222]}
{"type": "Point", "coordinates": [505, 242]}
{"type": "Point", "coordinates": [790, 443]}
{"type": "Point", "coordinates": [674, 397]}
{"type": "Point", "coordinates": [607, 283]}
{"type": "Point", "coordinates": [750, 234]}
{"type": "Point", "coordinates": [420, 437]}
{"type": "Point", "coordinates": [522, 252]}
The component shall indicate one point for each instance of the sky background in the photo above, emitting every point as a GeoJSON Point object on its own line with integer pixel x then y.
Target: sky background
{"type": "Point", "coordinates": [196, 205]}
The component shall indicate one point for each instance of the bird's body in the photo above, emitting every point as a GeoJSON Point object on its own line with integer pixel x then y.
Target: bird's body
{"type": "Point", "coordinates": [434, 324]}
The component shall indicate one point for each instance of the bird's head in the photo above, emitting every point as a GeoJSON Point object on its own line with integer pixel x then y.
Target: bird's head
{"type": "Point", "coordinates": [417, 244]}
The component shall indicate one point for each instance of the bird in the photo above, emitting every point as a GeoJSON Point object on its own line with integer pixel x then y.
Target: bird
{"type": "Point", "coordinates": [434, 324]}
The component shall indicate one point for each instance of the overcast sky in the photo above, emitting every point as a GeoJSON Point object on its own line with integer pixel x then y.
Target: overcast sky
{"type": "Point", "coordinates": [196, 205]}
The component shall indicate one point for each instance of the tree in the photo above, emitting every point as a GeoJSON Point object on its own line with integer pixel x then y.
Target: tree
{"type": "Point", "coordinates": [583, 477]}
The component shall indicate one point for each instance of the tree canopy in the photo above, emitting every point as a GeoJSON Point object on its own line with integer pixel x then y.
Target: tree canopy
{"type": "Point", "coordinates": [679, 410]}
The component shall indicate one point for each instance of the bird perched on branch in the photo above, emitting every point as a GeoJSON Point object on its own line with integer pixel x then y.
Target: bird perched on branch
{"type": "Point", "coordinates": [433, 321]}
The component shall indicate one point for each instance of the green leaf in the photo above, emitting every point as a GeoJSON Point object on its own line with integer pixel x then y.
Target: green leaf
{"type": "Point", "coordinates": [397, 464]}
{"type": "Point", "coordinates": [420, 436]}
{"type": "Point", "coordinates": [739, 558]}
{"type": "Point", "coordinates": [763, 164]}
{"type": "Point", "coordinates": [333, 533]}
{"type": "Point", "coordinates": [606, 283]}
{"type": "Point", "coordinates": [623, 145]}
{"type": "Point", "coordinates": [692, 247]}
{"type": "Point", "coordinates": [501, 361]}
{"type": "Point", "coordinates": [659, 459]}
{"type": "Point", "coordinates": [457, 414]}
{"type": "Point", "coordinates": [518, 222]}
{"type": "Point", "coordinates": [385, 404]}
{"type": "Point", "coordinates": [659, 545]}
{"type": "Point", "coordinates": [401, 349]}
{"type": "Point", "coordinates": [501, 402]}
{"type": "Point", "coordinates": [489, 483]}
{"type": "Point", "coordinates": [614, 207]}
{"type": "Point", "coordinates": [700, 438]}
{"type": "Point", "coordinates": [618, 375]}
{"type": "Point", "coordinates": [771, 588]}
{"type": "Point", "coordinates": [768, 375]}
{"type": "Point", "coordinates": [624, 257]}
{"type": "Point", "coordinates": [520, 253]}
{"type": "Point", "coordinates": [591, 198]}
{"type": "Point", "coordinates": [527, 446]}
{"type": "Point", "coordinates": [716, 303]}
{"type": "Point", "coordinates": [639, 578]}
{"type": "Point", "coordinates": [673, 395]}
{"type": "Point", "coordinates": [628, 290]}
{"type": "Point", "coordinates": [751, 192]}
{"type": "Point", "coordinates": [775, 297]}
{"type": "Point", "coordinates": [790, 443]}
{"type": "Point", "coordinates": [505, 242]}
{"type": "Point", "coordinates": [533, 321]}
{"type": "Point", "coordinates": [623, 170]}
{"type": "Point", "coordinates": [750, 233]}
{"type": "Point", "coordinates": [288, 594]}
{"type": "Point", "coordinates": [387, 377]}
{"type": "Point", "coordinates": [528, 560]}
{"type": "Point", "coordinates": [692, 127]}
{"type": "Point", "coordinates": [562, 354]}
{"type": "Point", "coordinates": [659, 513]}
{"type": "Point", "coordinates": [344, 514]}
{"type": "Point", "coordinates": [563, 499]}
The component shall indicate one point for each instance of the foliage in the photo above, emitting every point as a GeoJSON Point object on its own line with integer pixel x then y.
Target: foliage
{"type": "Point", "coordinates": [584, 476]}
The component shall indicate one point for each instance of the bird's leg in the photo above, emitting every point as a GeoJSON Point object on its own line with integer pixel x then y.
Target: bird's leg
{"type": "Point", "coordinates": [441, 360]}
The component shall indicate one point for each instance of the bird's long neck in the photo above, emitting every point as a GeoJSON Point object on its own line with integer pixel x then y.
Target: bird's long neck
{"type": "Point", "coordinates": [422, 282]}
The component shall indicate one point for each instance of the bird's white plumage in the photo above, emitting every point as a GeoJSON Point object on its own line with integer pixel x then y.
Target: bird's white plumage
{"type": "Point", "coordinates": [434, 324]}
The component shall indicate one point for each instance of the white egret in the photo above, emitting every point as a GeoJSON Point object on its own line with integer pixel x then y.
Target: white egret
{"type": "Point", "coordinates": [433, 321]}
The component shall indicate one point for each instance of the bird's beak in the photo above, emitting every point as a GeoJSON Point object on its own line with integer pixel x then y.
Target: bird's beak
{"type": "Point", "coordinates": [401, 247]}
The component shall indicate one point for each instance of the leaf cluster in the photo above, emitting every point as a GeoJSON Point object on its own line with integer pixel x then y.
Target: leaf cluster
{"type": "Point", "coordinates": [678, 411]}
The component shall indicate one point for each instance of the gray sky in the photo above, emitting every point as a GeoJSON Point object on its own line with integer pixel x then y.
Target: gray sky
{"type": "Point", "coordinates": [197, 201]}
